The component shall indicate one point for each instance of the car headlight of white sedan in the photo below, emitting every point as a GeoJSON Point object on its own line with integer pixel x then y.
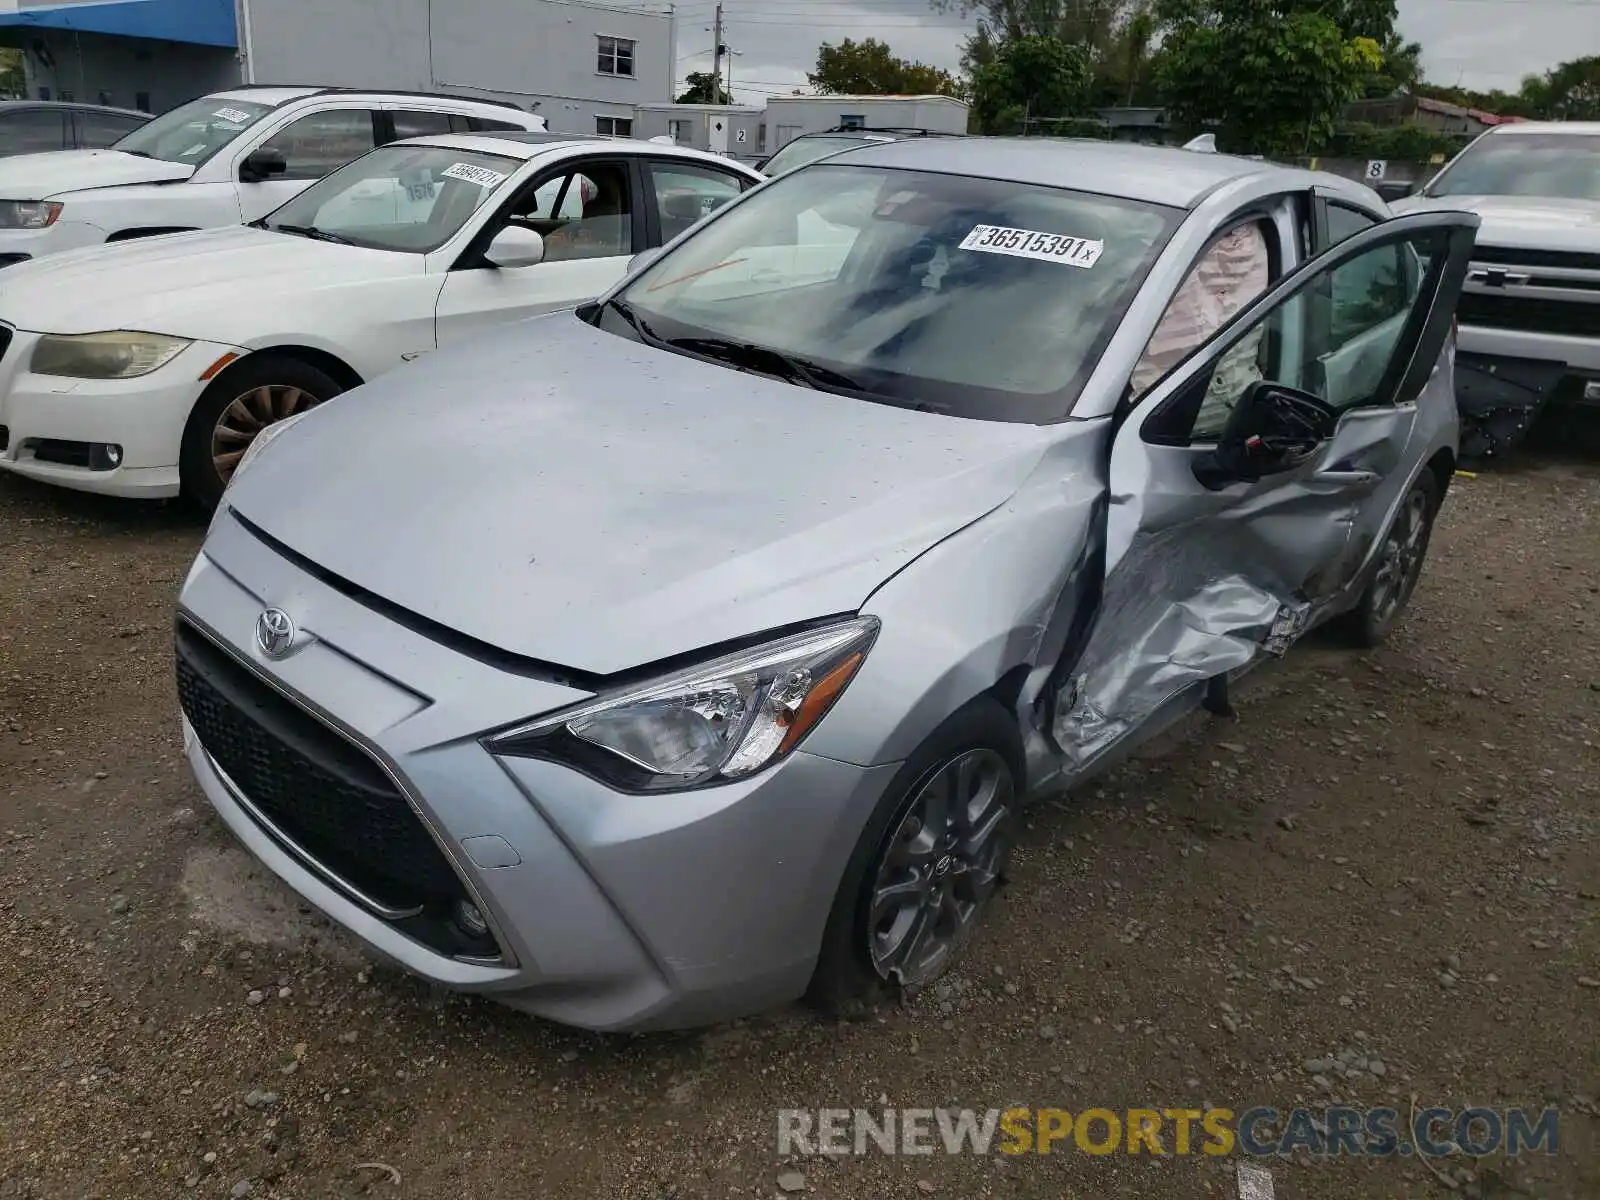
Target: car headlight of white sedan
{"type": "Point", "coordinates": [713, 723]}
{"type": "Point", "coordinates": [120, 354]}
{"type": "Point", "coordinates": [28, 214]}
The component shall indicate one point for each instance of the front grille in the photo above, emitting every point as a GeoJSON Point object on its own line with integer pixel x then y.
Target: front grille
{"type": "Point", "coordinates": [315, 786]}
{"type": "Point", "coordinates": [1530, 313]}
{"type": "Point", "coordinates": [1581, 260]}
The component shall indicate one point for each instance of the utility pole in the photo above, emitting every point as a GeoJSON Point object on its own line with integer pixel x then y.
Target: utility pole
{"type": "Point", "coordinates": [716, 57]}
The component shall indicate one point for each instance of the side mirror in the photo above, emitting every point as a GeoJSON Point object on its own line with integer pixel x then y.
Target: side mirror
{"type": "Point", "coordinates": [1397, 190]}
{"type": "Point", "coordinates": [643, 259]}
{"type": "Point", "coordinates": [1272, 429]}
{"type": "Point", "coordinates": [262, 164]}
{"type": "Point", "coordinates": [515, 246]}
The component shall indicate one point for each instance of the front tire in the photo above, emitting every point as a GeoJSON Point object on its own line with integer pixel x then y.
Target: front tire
{"type": "Point", "coordinates": [259, 391]}
{"type": "Point", "coordinates": [923, 872]}
{"type": "Point", "coordinates": [1405, 548]}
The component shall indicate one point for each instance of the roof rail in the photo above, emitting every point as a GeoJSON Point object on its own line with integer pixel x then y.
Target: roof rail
{"type": "Point", "coordinates": [316, 89]}
{"type": "Point", "coordinates": [905, 130]}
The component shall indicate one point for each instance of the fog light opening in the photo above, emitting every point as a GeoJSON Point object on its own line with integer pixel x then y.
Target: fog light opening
{"type": "Point", "coordinates": [470, 919]}
{"type": "Point", "coordinates": [104, 456]}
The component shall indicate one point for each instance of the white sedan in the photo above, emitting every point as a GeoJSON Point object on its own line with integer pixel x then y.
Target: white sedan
{"type": "Point", "coordinates": [146, 368]}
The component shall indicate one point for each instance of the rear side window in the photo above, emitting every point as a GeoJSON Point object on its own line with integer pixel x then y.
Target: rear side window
{"type": "Point", "coordinates": [322, 142]}
{"type": "Point", "coordinates": [97, 130]}
{"type": "Point", "coordinates": [32, 131]}
{"type": "Point", "coordinates": [409, 124]}
{"type": "Point", "coordinates": [482, 124]}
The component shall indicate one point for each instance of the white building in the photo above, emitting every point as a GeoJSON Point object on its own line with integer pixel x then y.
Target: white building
{"type": "Point", "coordinates": [788, 117]}
{"type": "Point", "coordinates": [733, 129]}
{"type": "Point", "coordinates": [582, 66]}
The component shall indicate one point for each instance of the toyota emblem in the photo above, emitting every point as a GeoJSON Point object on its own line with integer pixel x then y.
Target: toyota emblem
{"type": "Point", "coordinates": [274, 632]}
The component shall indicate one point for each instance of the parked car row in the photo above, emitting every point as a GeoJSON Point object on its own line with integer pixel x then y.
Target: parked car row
{"type": "Point", "coordinates": [811, 527]}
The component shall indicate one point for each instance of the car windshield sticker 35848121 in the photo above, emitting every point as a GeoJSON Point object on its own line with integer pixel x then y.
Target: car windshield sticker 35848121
{"type": "Point", "coordinates": [1030, 243]}
{"type": "Point", "coordinates": [233, 116]}
{"type": "Point", "coordinates": [481, 176]}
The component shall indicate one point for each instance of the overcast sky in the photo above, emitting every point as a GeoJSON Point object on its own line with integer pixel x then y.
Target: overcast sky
{"type": "Point", "coordinates": [1478, 43]}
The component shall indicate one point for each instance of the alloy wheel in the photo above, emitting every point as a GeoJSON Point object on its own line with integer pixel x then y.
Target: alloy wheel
{"type": "Point", "coordinates": [942, 863]}
{"type": "Point", "coordinates": [247, 416]}
{"type": "Point", "coordinates": [1401, 564]}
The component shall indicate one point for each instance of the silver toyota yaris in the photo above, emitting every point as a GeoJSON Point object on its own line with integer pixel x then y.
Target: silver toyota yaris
{"type": "Point", "coordinates": [668, 659]}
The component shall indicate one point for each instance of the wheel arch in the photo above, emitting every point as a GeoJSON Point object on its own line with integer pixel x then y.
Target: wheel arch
{"type": "Point", "coordinates": [330, 364]}
{"type": "Point", "coordinates": [1443, 466]}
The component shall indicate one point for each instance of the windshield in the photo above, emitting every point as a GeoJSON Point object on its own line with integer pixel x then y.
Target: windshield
{"type": "Point", "coordinates": [1563, 165]}
{"type": "Point", "coordinates": [193, 132]}
{"type": "Point", "coordinates": [402, 197]}
{"type": "Point", "coordinates": [808, 149]}
{"type": "Point", "coordinates": [977, 297]}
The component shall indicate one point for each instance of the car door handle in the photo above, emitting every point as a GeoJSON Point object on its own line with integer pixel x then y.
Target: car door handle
{"type": "Point", "coordinates": [1349, 477]}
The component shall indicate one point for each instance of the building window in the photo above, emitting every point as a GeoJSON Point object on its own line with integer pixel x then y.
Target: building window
{"type": "Point", "coordinates": [105, 98]}
{"type": "Point", "coordinates": [616, 56]}
{"type": "Point", "coordinates": [852, 121]}
{"type": "Point", "coordinates": [614, 126]}
{"type": "Point", "coordinates": [67, 97]}
{"type": "Point", "coordinates": [678, 130]}
{"type": "Point", "coordinates": [44, 93]}
{"type": "Point", "coordinates": [141, 101]}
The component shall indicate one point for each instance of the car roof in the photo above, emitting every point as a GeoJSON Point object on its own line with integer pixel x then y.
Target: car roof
{"type": "Point", "coordinates": [1519, 127]}
{"type": "Point", "coordinates": [1154, 174]}
{"type": "Point", "coordinates": [74, 105]}
{"type": "Point", "coordinates": [526, 144]}
{"type": "Point", "coordinates": [273, 95]}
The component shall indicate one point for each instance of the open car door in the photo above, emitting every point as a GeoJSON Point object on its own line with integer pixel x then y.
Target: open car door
{"type": "Point", "coordinates": [1237, 482]}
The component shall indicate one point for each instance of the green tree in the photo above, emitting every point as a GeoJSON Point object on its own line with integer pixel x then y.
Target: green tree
{"type": "Point", "coordinates": [13, 75]}
{"type": "Point", "coordinates": [870, 68]}
{"type": "Point", "coordinates": [1270, 75]}
{"type": "Point", "coordinates": [1569, 92]}
{"type": "Point", "coordinates": [699, 90]}
{"type": "Point", "coordinates": [1029, 77]}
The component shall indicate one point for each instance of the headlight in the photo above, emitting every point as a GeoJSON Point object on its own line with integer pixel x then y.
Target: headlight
{"type": "Point", "coordinates": [123, 354]}
{"type": "Point", "coordinates": [28, 214]}
{"type": "Point", "coordinates": [718, 722]}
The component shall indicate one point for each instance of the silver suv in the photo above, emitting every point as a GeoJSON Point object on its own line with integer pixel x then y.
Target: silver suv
{"type": "Point", "coordinates": [1530, 311]}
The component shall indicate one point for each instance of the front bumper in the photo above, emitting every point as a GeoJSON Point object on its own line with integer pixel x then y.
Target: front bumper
{"type": "Point", "coordinates": [607, 911]}
{"type": "Point", "coordinates": [52, 424]}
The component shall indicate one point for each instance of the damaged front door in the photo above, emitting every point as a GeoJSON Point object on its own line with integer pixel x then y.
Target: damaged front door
{"type": "Point", "coordinates": [1236, 484]}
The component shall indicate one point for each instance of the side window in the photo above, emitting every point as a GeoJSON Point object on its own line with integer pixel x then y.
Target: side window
{"type": "Point", "coordinates": [1346, 223]}
{"type": "Point", "coordinates": [322, 142]}
{"type": "Point", "coordinates": [1307, 343]}
{"type": "Point", "coordinates": [614, 126]}
{"type": "Point", "coordinates": [410, 124]}
{"type": "Point", "coordinates": [32, 131]}
{"type": "Point", "coordinates": [483, 124]}
{"type": "Point", "coordinates": [1229, 276]}
{"type": "Point", "coordinates": [684, 194]}
{"type": "Point", "coordinates": [97, 130]}
{"type": "Point", "coordinates": [585, 213]}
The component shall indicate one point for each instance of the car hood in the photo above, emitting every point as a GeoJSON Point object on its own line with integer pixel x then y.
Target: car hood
{"type": "Point", "coordinates": [1521, 222]}
{"type": "Point", "coordinates": [577, 498]}
{"type": "Point", "coordinates": [41, 176]}
{"type": "Point", "coordinates": [210, 284]}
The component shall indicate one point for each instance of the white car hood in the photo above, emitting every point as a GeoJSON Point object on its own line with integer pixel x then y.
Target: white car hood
{"type": "Point", "coordinates": [41, 176]}
{"type": "Point", "coordinates": [210, 285]}
{"type": "Point", "coordinates": [1521, 222]}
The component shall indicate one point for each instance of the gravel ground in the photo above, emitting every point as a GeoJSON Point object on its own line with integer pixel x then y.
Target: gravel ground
{"type": "Point", "coordinates": [1379, 882]}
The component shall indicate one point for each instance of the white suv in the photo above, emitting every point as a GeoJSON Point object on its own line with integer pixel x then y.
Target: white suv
{"type": "Point", "coordinates": [224, 159]}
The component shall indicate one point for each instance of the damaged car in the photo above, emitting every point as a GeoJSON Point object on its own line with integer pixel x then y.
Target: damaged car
{"type": "Point", "coordinates": [673, 657]}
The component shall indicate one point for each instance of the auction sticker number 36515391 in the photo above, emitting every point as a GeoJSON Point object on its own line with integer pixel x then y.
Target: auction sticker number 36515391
{"type": "Point", "coordinates": [1029, 243]}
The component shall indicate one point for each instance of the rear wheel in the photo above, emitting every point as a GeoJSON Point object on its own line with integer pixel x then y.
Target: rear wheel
{"type": "Point", "coordinates": [1405, 548]}
{"type": "Point", "coordinates": [262, 390]}
{"type": "Point", "coordinates": [926, 866]}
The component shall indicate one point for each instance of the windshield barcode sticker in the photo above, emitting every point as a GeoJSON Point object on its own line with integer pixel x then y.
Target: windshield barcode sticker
{"type": "Point", "coordinates": [1029, 243]}
{"type": "Point", "coordinates": [232, 115]}
{"type": "Point", "coordinates": [481, 176]}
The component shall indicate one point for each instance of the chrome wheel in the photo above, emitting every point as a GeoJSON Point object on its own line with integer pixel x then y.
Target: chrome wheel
{"type": "Point", "coordinates": [940, 866]}
{"type": "Point", "coordinates": [1401, 564]}
{"type": "Point", "coordinates": [248, 415]}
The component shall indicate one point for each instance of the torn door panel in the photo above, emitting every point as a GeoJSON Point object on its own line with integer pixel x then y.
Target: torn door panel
{"type": "Point", "coordinates": [1166, 625]}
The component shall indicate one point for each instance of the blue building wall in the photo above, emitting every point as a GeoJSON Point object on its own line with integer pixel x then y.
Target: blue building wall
{"type": "Point", "coordinates": [196, 22]}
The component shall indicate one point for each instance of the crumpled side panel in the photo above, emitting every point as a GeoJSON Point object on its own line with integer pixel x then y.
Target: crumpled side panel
{"type": "Point", "coordinates": [1165, 625]}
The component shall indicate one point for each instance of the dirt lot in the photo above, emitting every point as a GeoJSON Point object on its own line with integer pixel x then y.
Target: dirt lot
{"type": "Point", "coordinates": [1395, 855]}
